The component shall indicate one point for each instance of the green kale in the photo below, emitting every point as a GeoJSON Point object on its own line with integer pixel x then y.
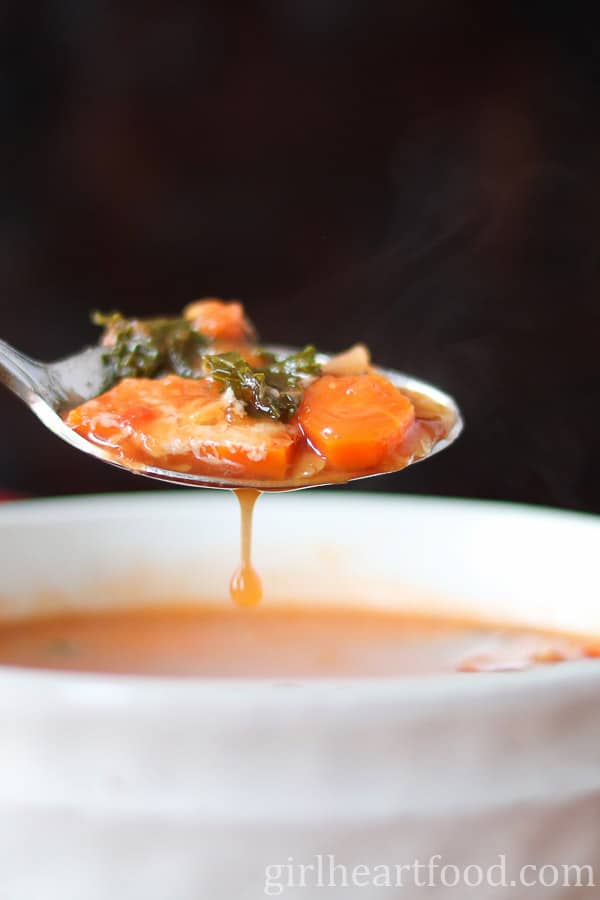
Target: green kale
{"type": "Point", "coordinates": [273, 391]}
{"type": "Point", "coordinates": [145, 348]}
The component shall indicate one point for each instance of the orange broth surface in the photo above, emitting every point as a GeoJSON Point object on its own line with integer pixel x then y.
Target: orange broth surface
{"type": "Point", "coordinates": [275, 643]}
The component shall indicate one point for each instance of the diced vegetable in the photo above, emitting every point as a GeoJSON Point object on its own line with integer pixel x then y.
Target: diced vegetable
{"type": "Point", "coordinates": [355, 421]}
{"type": "Point", "coordinates": [355, 361]}
{"type": "Point", "coordinates": [220, 320]}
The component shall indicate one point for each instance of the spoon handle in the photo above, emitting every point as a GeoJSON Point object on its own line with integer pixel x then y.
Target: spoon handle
{"type": "Point", "coordinates": [20, 374]}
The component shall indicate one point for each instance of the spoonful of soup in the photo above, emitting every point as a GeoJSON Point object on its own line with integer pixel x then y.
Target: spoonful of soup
{"type": "Point", "coordinates": [197, 400]}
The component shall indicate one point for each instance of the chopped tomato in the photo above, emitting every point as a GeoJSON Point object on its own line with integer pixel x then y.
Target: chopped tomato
{"type": "Point", "coordinates": [355, 420]}
{"type": "Point", "coordinates": [186, 425]}
{"type": "Point", "coordinates": [219, 319]}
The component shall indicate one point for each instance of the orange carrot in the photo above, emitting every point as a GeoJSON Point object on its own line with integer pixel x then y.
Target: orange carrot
{"type": "Point", "coordinates": [355, 421]}
{"type": "Point", "coordinates": [220, 320]}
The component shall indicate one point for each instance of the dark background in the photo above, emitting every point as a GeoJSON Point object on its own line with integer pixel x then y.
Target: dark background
{"type": "Point", "coordinates": [424, 176]}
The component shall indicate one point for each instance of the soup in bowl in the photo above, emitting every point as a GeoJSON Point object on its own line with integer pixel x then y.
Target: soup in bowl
{"type": "Point", "coordinates": [418, 687]}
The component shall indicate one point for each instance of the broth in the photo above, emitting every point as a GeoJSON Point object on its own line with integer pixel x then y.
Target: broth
{"type": "Point", "coordinates": [280, 643]}
{"type": "Point", "coordinates": [245, 586]}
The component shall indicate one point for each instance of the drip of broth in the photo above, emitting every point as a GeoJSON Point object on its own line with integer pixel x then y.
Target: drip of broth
{"type": "Point", "coordinates": [245, 586]}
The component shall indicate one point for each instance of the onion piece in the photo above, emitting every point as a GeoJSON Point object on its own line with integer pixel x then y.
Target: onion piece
{"type": "Point", "coordinates": [355, 361]}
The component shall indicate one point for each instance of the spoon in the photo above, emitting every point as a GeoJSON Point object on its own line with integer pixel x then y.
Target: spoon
{"type": "Point", "coordinates": [51, 389]}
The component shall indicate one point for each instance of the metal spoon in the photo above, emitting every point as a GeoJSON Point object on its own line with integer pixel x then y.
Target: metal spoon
{"type": "Point", "coordinates": [51, 389]}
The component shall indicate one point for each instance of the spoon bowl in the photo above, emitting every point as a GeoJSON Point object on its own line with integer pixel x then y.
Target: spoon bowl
{"type": "Point", "coordinates": [52, 389]}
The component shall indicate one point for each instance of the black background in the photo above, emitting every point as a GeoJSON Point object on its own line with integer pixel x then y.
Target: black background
{"type": "Point", "coordinates": [423, 176]}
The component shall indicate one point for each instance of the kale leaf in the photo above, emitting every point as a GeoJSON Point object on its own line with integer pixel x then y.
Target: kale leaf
{"type": "Point", "coordinates": [273, 391]}
{"type": "Point", "coordinates": [145, 348]}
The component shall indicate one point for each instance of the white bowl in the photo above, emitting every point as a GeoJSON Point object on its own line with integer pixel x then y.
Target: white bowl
{"type": "Point", "coordinates": [160, 789]}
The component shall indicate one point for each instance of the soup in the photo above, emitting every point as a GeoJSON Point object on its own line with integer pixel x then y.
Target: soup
{"type": "Point", "coordinates": [276, 643]}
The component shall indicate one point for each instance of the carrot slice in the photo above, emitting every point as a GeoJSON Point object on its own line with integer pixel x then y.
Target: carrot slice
{"type": "Point", "coordinates": [186, 425]}
{"type": "Point", "coordinates": [355, 421]}
{"type": "Point", "coordinates": [220, 320]}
